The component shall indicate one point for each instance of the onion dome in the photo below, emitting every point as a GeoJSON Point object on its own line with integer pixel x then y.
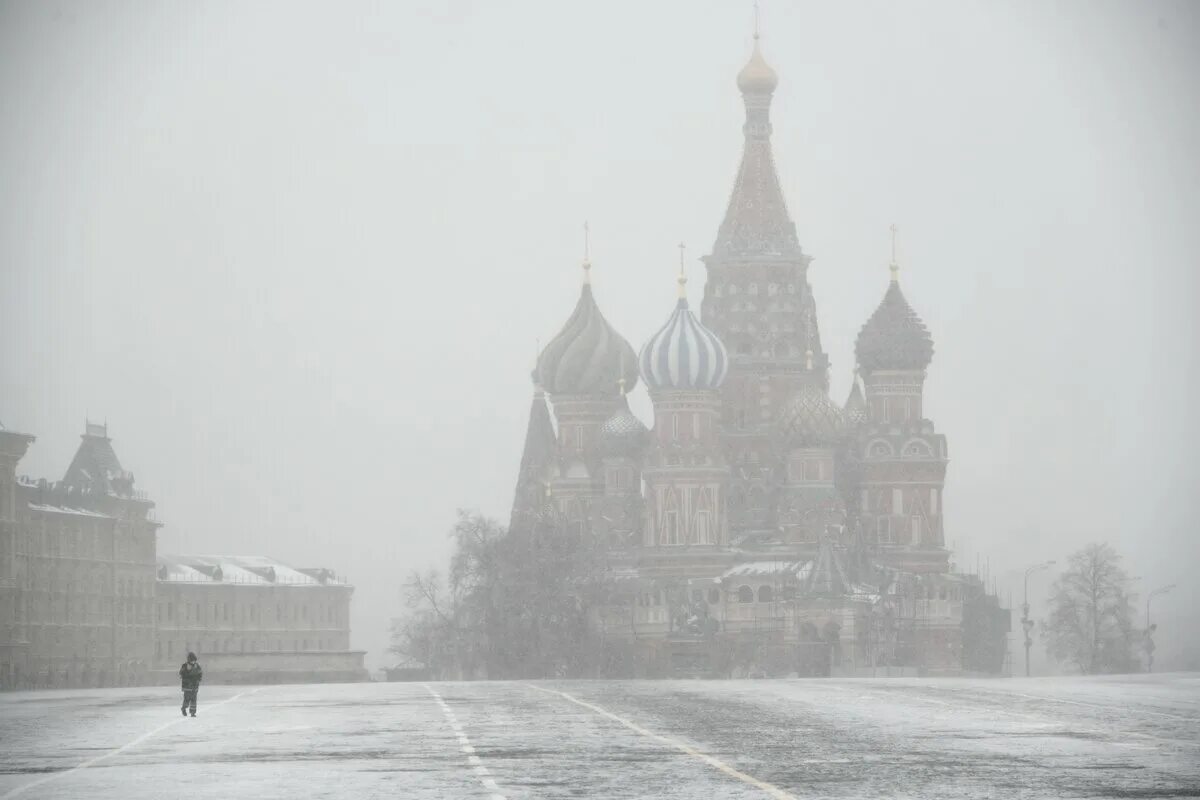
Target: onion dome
{"type": "Point", "coordinates": [811, 419]}
{"type": "Point", "coordinates": [587, 356]}
{"type": "Point", "coordinates": [757, 77]}
{"type": "Point", "coordinates": [894, 337]}
{"type": "Point", "coordinates": [623, 434]}
{"type": "Point", "coordinates": [855, 411]}
{"type": "Point", "coordinates": [684, 355]}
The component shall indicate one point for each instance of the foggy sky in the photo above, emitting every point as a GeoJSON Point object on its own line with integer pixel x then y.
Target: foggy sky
{"type": "Point", "coordinates": [299, 255]}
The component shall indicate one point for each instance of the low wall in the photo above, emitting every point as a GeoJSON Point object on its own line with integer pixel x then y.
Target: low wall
{"type": "Point", "coordinates": [344, 666]}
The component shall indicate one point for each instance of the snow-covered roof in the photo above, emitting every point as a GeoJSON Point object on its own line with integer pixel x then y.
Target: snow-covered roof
{"type": "Point", "coordinates": [241, 570]}
{"type": "Point", "coordinates": [766, 569]}
{"type": "Point", "coordinates": [79, 512]}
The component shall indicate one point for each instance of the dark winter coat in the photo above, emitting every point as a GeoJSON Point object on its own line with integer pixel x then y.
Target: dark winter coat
{"type": "Point", "coordinates": [191, 675]}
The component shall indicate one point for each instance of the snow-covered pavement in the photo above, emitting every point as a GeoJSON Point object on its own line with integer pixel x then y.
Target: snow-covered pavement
{"type": "Point", "coordinates": [1127, 736]}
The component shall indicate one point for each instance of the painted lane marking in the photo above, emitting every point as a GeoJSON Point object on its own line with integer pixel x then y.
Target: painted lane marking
{"type": "Point", "coordinates": [127, 746]}
{"type": "Point", "coordinates": [716, 763]}
{"type": "Point", "coordinates": [473, 761]}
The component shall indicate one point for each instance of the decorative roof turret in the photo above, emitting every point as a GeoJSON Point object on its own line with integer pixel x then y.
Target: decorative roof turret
{"type": "Point", "coordinates": [588, 356]}
{"type": "Point", "coordinates": [683, 355]}
{"type": "Point", "coordinates": [811, 419]}
{"type": "Point", "coordinates": [623, 434]}
{"type": "Point", "coordinates": [894, 337]}
{"type": "Point", "coordinates": [828, 576]}
{"type": "Point", "coordinates": [855, 411]}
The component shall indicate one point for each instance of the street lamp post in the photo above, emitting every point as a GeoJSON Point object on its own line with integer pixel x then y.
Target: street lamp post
{"type": "Point", "coordinates": [1026, 622]}
{"type": "Point", "coordinates": [1149, 645]}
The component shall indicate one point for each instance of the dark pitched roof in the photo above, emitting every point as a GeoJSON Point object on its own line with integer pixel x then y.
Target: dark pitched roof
{"type": "Point", "coordinates": [536, 460]}
{"type": "Point", "coordinates": [855, 410]}
{"type": "Point", "coordinates": [95, 467]}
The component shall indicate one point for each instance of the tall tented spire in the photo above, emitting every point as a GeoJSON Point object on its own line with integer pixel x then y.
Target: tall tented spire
{"type": "Point", "coordinates": [756, 221]}
{"type": "Point", "coordinates": [536, 461]}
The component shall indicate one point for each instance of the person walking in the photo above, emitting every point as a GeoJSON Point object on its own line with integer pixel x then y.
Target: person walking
{"type": "Point", "coordinates": [190, 676]}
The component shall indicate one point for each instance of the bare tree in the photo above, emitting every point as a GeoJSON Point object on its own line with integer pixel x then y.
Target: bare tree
{"type": "Point", "coordinates": [1091, 613]}
{"type": "Point", "coordinates": [514, 603]}
{"type": "Point", "coordinates": [421, 634]}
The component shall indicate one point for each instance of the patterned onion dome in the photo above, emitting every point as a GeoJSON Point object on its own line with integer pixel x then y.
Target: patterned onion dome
{"type": "Point", "coordinates": [623, 434]}
{"type": "Point", "coordinates": [587, 356]}
{"type": "Point", "coordinates": [811, 419]}
{"type": "Point", "coordinates": [757, 77]}
{"type": "Point", "coordinates": [855, 410]}
{"type": "Point", "coordinates": [683, 355]}
{"type": "Point", "coordinates": [894, 337]}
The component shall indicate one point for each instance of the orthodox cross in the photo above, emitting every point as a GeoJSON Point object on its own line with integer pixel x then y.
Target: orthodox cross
{"type": "Point", "coordinates": [587, 253]}
{"type": "Point", "coordinates": [682, 274]}
{"type": "Point", "coordinates": [895, 268]}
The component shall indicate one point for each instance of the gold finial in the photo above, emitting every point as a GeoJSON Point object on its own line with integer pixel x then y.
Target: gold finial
{"type": "Point", "coordinates": [756, 20]}
{"type": "Point", "coordinates": [587, 254]}
{"type": "Point", "coordinates": [808, 359]}
{"type": "Point", "coordinates": [682, 279]}
{"type": "Point", "coordinates": [894, 267]}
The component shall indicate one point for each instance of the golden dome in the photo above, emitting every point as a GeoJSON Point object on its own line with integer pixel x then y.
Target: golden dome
{"type": "Point", "coordinates": [757, 77]}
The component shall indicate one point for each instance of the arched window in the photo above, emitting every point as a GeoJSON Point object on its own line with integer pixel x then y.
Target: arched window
{"type": "Point", "coordinates": [703, 533]}
{"type": "Point", "coordinates": [671, 525]}
{"type": "Point", "coordinates": [764, 594]}
{"type": "Point", "coordinates": [879, 449]}
{"type": "Point", "coordinates": [745, 594]}
{"type": "Point", "coordinates": [916, 449]}
{"type": "Point", "coordinates": [714, 596]}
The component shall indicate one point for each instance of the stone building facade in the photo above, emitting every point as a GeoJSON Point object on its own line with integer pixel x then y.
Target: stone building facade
{"type": "Point", "coordinates": [82, 590]}
{"type": "Point", "coordinates": [757, 522]}
{"type": "Point", "coordinates": [79, 571]}
{"type": "Point", "coordinates": [252, 619]}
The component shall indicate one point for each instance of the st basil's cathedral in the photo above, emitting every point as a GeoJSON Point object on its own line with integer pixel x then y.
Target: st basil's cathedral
{"type": "Point", "coordinates": [757, 526]}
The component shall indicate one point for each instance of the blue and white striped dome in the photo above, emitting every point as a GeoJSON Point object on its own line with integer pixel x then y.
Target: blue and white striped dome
{"type": "Point", "coordinates": [683, 355]}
